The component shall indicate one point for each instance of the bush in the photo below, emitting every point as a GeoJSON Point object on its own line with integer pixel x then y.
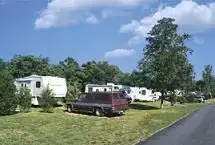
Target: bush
{"type": "Point", "coordinates": [191, 98]}
{"type": "Point", "coordinates": [173, 99]}
{"type": "Point", "coordinates": [47, 101]}
{"type": "Point", "coordinates": [24, 99]}
{"type": "Point", "coordinates": [8, 99]}
{"type": "Point", "coordinates": [73, 92]}
{"type": "Point", "coordinates": [181, 100]}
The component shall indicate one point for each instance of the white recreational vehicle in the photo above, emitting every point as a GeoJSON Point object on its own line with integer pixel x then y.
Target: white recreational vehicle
{"type": "Point", "coordinates": [36, 84]}
{"type": "Point", "coordinates": [147, 95]}
{"type": "Point", "coordinates": [110, 87]}
{"type": "Point", "coordinates": [136, 93]}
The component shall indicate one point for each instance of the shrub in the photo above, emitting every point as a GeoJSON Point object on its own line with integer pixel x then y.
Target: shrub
{"type": "Point", "coordinates": [8, 99]}
{"type": "Point", "coordinates": [73, 92]}
{"type": "Point", "coordinates": [173, 99]}
{"type": "Point", "coordinates": [181, 100]}
{"type": "Point", "coordinates": [47, 101]}
{"type": "Point", "coordinates": [191, 98]}
{"type": "Point", "coordinates": [24, 99]}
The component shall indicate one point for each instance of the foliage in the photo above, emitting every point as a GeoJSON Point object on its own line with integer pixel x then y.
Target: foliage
{"type": "Point", "coordinates": [172, 99]}
{"type": "Point", "coordinates": [22, 66]}
{"type": "Point", "coordinates": [165, 66]}
{"type": "Point", "coordinates": [72, 92]}
{"type": "Point", "coordinates": [8, 99]}
{"type": "Point", "coordinates": [181, 99]}
{"type": "Point", "coordinates": [100, 72]}
{"type": "Point", "coordinates": [207, 78]}
{"type": "Point", "coordinates": [47, 101]}
{"type": "Point", "coordinates": [190, 97]}
{"type": "Point", "coordinates": [24, 99]}
{"type": "Point", "coordinates": [72, 72]}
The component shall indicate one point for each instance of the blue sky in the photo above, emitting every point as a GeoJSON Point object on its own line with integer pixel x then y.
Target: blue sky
{"type": "Point", "coordinates": [112, 30]}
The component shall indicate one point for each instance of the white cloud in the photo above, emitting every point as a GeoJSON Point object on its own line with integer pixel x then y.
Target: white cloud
{"type": "Point", "coordinates": [92, 19]}
{"type": "Point", "coordinates": [198, 40]}
{"type": "Point", "coordinates": [108, 13]}
{"type": "Point", "coordinates": [63, 12]}
{"type": "Point", "coordinates": [191, 17]}
{"type": "Point", "coordinates": [120, 53]}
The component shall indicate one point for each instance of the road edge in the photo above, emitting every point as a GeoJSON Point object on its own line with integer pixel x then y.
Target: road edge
{"type": "Point", "coordinates": [175, 123]}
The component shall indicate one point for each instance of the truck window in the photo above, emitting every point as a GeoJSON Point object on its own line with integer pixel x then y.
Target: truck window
{"type": "Point", "coordinates": [103, 97]}
{"type": "Point", "coordinates": [121, 96]}
{"type": "Point", "coordinates": [38, 84]}
{"type": "Point", "coordinates": [88, 98]}
{"type": "Point", "coordinates": [82, 97]}
{"type": "Point", "coordinates": [116, 96]}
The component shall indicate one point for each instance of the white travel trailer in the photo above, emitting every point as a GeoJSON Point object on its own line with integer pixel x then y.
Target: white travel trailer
{"type": "Point", "coordinates": [110, 87]}
{"type": "Point", "coordinates": [148, 95]}
{"type": "Point", "coordinates": [36, 84]}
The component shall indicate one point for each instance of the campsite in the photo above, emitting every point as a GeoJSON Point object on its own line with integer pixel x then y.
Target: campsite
{"type": "Point", "coordinates": [107, 72]}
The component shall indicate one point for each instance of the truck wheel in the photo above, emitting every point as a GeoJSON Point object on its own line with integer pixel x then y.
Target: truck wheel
{"type": "Point", "coordinates": [98, 112]}
{"type": "Point", "coordinates": [69, 108]}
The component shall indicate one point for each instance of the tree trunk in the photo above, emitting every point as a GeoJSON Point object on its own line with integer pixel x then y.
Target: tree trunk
{"type": "Point", "coordinates": [162, 100]}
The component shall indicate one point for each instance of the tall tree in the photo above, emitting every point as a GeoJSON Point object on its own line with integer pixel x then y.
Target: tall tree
{"type": "Point", "coordinates": [72, 72]}
{"type": "Point", "coordinates": [165, 66]}
{"type": "Point", "coordinates": [207, 78]}
{"type": "Point", "coordinates": [21, 66]}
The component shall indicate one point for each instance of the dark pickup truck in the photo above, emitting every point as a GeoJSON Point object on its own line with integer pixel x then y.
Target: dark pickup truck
{"type": "Point", "coordinates": [99, 103]}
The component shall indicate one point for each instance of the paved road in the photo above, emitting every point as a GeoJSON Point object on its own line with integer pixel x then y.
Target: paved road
{"type": "Point", "coordinates": [197, 129]}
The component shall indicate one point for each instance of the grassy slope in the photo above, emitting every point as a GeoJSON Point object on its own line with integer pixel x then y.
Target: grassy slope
{"type": "Point", "coordinates": [62, 128]}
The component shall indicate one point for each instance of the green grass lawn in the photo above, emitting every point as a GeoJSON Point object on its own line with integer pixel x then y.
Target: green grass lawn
{"type": "Point", "coordinates": [60, 128]}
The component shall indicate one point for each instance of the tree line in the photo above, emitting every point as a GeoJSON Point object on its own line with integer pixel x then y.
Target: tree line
{"type": "Point", "coordinates": [164, 67]}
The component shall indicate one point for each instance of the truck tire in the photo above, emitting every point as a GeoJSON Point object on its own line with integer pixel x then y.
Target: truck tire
{"type": "Point", "coordinates": [69, 108]}
{"type": "Point", "coordinates": [98, 112]}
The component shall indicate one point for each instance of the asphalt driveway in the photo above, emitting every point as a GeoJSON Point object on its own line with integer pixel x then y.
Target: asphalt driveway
{"type": "Point", "coordinates": [197, 129]}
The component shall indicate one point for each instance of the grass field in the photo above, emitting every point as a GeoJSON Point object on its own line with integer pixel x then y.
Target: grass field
{"type": "Point", "coordinates": [60, 128]}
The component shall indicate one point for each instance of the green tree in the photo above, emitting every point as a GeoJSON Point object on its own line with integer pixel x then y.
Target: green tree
{"type": "Point", "coordinates": [3, 64]}
{"type": "Point", "coordinates": [72, 91]}
{"type": "Point", "coordinates": [72, 72]}
{"type": "Point", "coordinates": [24, 99]}
{"type": "Point", "coordinates": [21, 66]}
{"type": "Point", "coordinates": [165, 65]}
{"type": "Point", "coordinates": [8, 99]}
{"type": "Point", "coordinates": [100, 72]}
{"type": "Point", "coordinates": [47, 101]}
{"type": "Point", "coordinates": [207, 78]}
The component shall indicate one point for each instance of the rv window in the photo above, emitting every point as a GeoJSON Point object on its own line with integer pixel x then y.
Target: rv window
{"type": "Point", "coordinates": [90, 90]}
{"type": "Point", "coordinates": [38, 84]}
{"type": "Point", "coordinates": [22, 84]}
{"type": "Point", "coordinates": [143, 92]}
{"type": "Point", "coordinates": [105, 90]}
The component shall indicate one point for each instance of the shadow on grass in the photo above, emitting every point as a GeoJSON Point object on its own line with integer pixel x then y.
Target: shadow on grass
{"type": "Point", "coordinates": [142, 107]}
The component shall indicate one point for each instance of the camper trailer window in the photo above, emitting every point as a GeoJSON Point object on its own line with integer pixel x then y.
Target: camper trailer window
{"type": "Point", "coordinates": [105, 90]}
{"type": "Point", "coordinates": [90, 90]}
{"type": "Point", "coordinates": [38, 84]}
{"type": "Point", "coordinates": [22, 84]}
{"type": "Point", "coordinates": [143, 92]}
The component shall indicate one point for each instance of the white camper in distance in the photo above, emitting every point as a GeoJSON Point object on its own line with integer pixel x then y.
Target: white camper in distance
{"type": "Point", "coordinates": [36, 84]}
